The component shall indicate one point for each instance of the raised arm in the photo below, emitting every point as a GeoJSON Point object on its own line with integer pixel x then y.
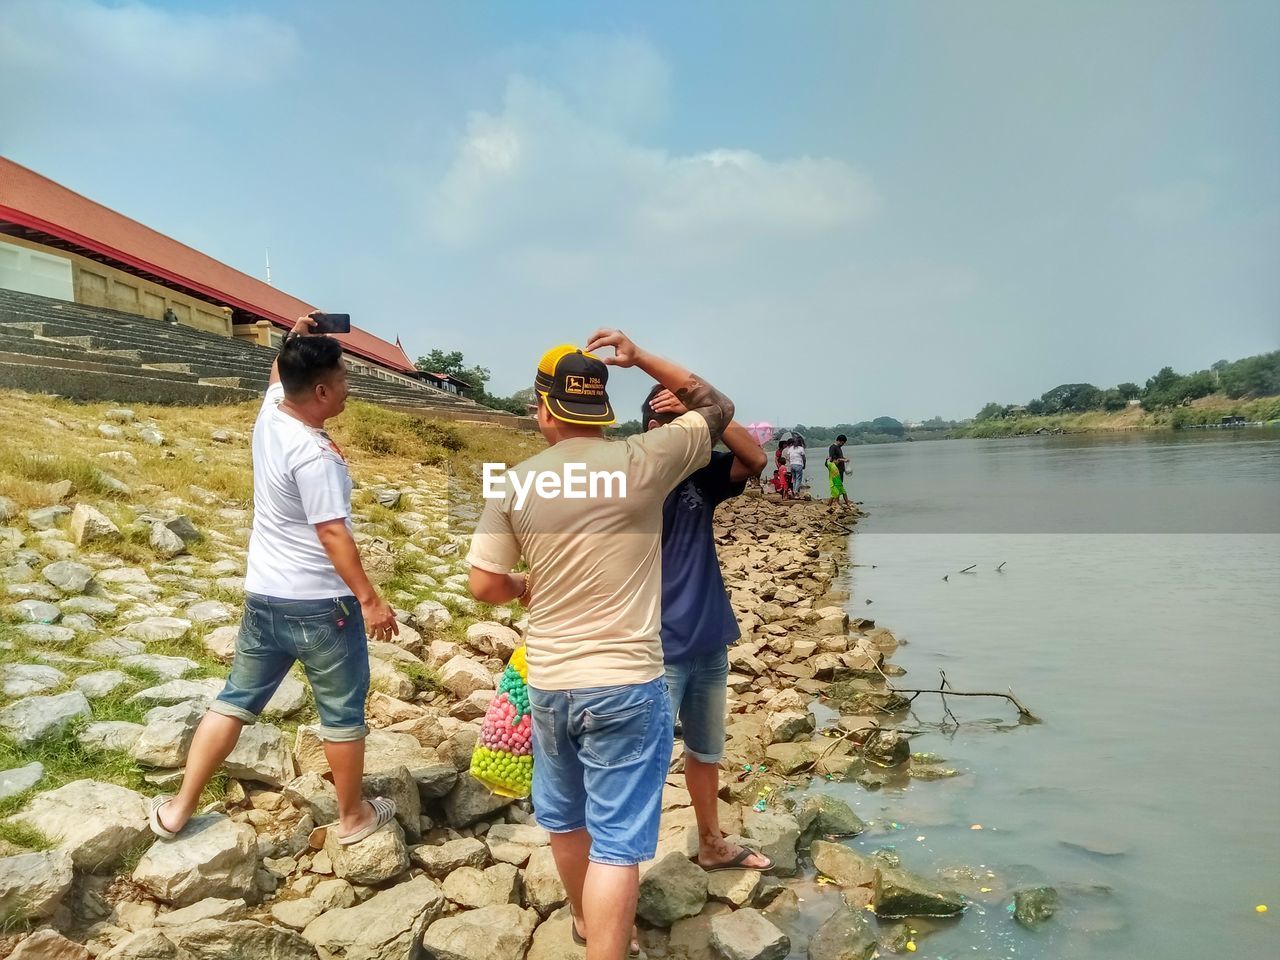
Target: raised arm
{"type": "Point", "coordinates": [749, 457]}
{"type": "Point", "coordinates": [691, 390]}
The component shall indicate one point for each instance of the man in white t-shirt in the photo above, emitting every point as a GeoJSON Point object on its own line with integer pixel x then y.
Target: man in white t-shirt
{"type": "Point", "coordinates": [307, 597]}
{"type": "Point", "coordinates": [796, 461]}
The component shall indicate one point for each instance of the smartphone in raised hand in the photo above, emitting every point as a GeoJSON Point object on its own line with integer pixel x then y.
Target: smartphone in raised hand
{"type": "Point", "coordinates": [331, 322]}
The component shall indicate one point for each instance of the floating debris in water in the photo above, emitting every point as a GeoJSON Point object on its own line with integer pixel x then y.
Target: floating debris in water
{"type": "Point", "coordinates": [1261, 908]}
{"type": "Point", "coordinates": [976, 826]}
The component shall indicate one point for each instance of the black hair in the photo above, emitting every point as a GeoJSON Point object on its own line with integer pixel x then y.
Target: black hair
{"type": "Point", "coordinates": [841, 439]}
{"type": "Point", "coordinates": [305, 361]}
{"type": "Point", "coordinates": [647, 412]}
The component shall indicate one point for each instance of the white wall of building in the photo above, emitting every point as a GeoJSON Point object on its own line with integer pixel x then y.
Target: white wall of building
{"type": "Point", "coordinates": [34, 271]}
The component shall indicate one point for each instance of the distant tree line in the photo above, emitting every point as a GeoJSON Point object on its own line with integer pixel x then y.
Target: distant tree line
{"type": "Point", "coordinates": [477, 380]}
{"type": "Point", "coordinates": [1251, 377]}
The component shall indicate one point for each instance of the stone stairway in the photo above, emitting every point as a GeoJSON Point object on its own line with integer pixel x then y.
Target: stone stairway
{"type": "Point", "coordinates": [91, 353]}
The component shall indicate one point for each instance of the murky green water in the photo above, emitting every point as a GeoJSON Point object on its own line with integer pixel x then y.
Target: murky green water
{"type": "Point", "coordinates": [1150, 794]}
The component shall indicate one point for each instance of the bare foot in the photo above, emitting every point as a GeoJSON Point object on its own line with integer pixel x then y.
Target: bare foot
{"type": "Point", "coordinates": [717, 850]}
{"type": "Point", "coordinates": [360, 824]}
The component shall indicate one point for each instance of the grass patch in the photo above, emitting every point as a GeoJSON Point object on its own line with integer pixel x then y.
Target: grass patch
{"type": "Point", "coordinates": [21, 835]}
{"type": "Point", "coordinates": [424, 679]}
{"type": "Point", "coordinates": [84, 475]}
{"type": "Point", "coordinates": [66, 759]}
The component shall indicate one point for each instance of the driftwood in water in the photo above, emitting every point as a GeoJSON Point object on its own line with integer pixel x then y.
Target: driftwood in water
{"type": "Point", "coordinates": [944, 690]}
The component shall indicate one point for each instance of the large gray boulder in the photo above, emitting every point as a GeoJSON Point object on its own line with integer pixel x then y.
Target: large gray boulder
{"type": "Point", "coordinates": [469, 801]}
{"type": "Point", "coordinates": [111, 735]}
{"type": "Point", "coordinates": [387, 926]}
{"type": "Point", "coordinates": [165, 542]}
{"type": "Point", "coordinates": [315, 796]}
{"type": "Point", "coordinates": [68, 576]}
{"type": "Point", "coordinates": [776, 835]}
{"type": "Point", "coordinates": [35, 883]}
{"type": "Point", "coordinates": [89, 524]}
{"type": "Point", "coordinates": [203, 691]}
{"type": "Point", "coordinates": [514, 842]}
{"type": "Point", "coordinates": [674, 888]}
{"type": "Point", "coordinates": [821, 815]}
{"type": "Point", "coordinates": [374, 860]}
{"type": "Point", "coordinates": [25, 679]}
{"type": "Point", "coordinates": [845, 935]}
{"type": "Point", "coordinates": [262, 754]}
{"type": "Point", "coordinates": [543, 889]}
{"type": "Point", "coordinates": [34, 611]}
{"type": "Point", "coordinates": [462, 676]}
{"type": "Point", "coordinates": [212, 857]}
{"type": "Point", "coordinates": [18, 780]}
{"type": "Point", "coordinates": [490, 933]}
{"type": "Point", "coordinates": [96, 823]}
{"type": "Point", "coordinates": [439, 860]}
{"type": "Point", "coordinates": [101, 683]}
{"type": "Point", "coordinates": [240, 940]}
{"type": "Point", "coordinates": [145, 945]}
{"type": "Point", "coordinates": [166, 738]}
{"type": "Point", "coordinates": [845, 866]}
{"type": "Point", "coordinates": [470, 888]}
{"type": "Point", "coordinates": [900, 893]}
{"type": "Point", "coordinates": [157, 629]}
{"type": "Point", "coordinates": [748, 935]}
{"type": "Point", "coordinates": [34, 718]}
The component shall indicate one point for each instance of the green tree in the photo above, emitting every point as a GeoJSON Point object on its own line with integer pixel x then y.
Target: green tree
{"type": "Point", "coordinates": [1129, 391]}
{"type": "Point", "coordinates": [992, 411]}
{"type": "Point", "coordinates": [1071, 398]}
{"type": "Point", "coordinates": [889, 426]}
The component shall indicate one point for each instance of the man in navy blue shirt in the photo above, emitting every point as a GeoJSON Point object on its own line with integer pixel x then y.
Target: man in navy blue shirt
{"type": "Point", "coordinates": [698, 623]}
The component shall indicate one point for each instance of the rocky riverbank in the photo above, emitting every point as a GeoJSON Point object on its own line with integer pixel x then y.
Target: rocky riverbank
{"type": "Point", "coordinates": [120, 607]}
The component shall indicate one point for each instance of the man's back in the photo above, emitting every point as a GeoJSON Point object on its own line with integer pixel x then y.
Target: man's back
{"type": "Point", "coordinates": [299, 479]}
{"type": "Point", "coordinates": [595, 561]}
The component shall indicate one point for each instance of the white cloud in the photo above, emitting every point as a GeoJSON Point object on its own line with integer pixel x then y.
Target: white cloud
{"type": "Point", "coordinates": [546, 168]}
{"type": "Point", "coordinates": [44, 41]}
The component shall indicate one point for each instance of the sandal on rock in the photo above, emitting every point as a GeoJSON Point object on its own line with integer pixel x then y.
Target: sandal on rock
{"type": "Point", "coordinates": [736, 862]}
{"type": "Point", "coordinates": [385, 812]}
{"type": "Point", "coordinates": [153, 816]}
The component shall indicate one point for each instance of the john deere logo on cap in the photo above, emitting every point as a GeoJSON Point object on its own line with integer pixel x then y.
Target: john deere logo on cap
{"type": "Point", "coordinates": [583, 386]}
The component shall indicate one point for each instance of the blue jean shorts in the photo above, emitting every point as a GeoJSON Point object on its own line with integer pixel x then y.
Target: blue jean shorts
{"type": "Point", "coordinates": [600, 758]}
{"type": "Point", "coordinates": [326, 635]}
{"type": "Point", "coordinates": [699, 697]}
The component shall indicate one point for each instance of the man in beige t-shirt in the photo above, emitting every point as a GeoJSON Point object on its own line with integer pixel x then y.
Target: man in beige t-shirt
{"type": "Point", "coordinates": [586, 517]}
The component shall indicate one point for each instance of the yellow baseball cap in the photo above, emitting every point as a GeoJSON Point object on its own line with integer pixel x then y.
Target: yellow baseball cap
{"type": "Point", "coordinates": [572, 384]}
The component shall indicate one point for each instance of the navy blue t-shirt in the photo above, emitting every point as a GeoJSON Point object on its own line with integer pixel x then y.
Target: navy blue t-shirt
{"type": "Point", "coordinates": [696, 616]}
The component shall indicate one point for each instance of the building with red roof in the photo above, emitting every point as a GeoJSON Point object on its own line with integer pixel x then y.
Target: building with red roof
{"type": "Point", "coordinates": [55, 242]}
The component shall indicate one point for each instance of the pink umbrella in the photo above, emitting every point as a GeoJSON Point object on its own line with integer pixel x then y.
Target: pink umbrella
{"type": "Point", "coordinates": [760, 432]}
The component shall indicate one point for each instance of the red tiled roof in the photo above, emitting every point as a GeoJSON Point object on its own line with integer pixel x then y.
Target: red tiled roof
{"type": "Point", "coordinates": [36, 202]}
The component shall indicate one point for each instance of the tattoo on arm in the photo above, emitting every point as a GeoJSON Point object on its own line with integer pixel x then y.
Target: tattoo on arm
{"type": "Point", "coordinates": [715, 407]}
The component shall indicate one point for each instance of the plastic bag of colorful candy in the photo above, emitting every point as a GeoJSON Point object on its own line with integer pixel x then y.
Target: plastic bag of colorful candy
{"type": "Point", "coordinates": [503, 757]}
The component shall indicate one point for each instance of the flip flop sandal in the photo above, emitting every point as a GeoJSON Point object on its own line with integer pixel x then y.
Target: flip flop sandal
{"type": "Point", "coordinates": [736, 862]}
{"type": "Point", "coordinates": [157, 827]}
{"type": "Point", "coordinates": [581, 941]}
{"type": "Point", "coordinates": [385, 811]}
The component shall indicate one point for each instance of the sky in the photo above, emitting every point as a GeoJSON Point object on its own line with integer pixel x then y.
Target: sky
{"type": "Point", "coordinates": [832, 211]}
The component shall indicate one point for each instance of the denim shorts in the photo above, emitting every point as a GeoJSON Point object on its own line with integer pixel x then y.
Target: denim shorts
{"type": "Point", "coordinates": [699, 696]}
{"type": "Point", "coordinates": [326, 635]}
{"type": "Point", "coordinates": [600, 758]}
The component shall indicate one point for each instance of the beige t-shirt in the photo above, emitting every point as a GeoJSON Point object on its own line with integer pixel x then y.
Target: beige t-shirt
{"type": "Point", "coordinates": [595, 562]}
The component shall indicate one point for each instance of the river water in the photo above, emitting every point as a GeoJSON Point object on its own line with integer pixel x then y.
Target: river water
{"type": "Point", "coordinates": [1136, 614]}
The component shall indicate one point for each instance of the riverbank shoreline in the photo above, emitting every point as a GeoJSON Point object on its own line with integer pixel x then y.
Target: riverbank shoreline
{"type": "Point", "coordinates": [1204, 412]}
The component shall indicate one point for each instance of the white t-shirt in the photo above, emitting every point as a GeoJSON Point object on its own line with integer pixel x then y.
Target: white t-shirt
{"type": "Point", "coordinates": [300, 479]}
{"type": "Point", "coordinates": [795, 456]}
